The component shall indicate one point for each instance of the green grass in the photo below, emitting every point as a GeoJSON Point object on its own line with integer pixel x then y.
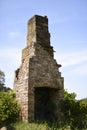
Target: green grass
{"type": "Point", "coordinates": [30, 126]}
{"type": "Point", "coordinates": [35, 126]}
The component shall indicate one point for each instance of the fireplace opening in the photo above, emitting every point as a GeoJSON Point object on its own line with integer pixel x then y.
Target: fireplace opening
{"type": "Point", "coordinates": [45, 103]}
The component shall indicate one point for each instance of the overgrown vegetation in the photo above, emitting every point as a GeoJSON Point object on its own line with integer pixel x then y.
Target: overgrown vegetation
{"type": "Point", "coordinates": [2, 82]}
{"type": "Point", "coordinates": [74, 112]}
{"type": "Point", "coordinates": [9, 109]}
{"type": "Point", "coordinates": [73, 117]}
{"type": "Point", "coordinates": [37, 126]}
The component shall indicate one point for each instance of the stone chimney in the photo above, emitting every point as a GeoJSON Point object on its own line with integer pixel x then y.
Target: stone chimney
{"type": "Point", "coordinates": [38, 31]}
{"type": "Point", "coordinates": [38, 83]}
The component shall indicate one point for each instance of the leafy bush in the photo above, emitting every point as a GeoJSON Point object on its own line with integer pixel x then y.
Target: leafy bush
{"type": "Point", "coordinates": [2, 78]}
{"type": "Point", "coordinates": [3, 88]}
{"type": "Point", "coordinates": [74, 112]}
{"type": "Point", "coordinates": [9, 108]}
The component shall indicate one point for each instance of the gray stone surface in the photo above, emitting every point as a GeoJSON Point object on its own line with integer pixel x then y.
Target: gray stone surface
{"type": "Point", "coordinates": [38, 69]}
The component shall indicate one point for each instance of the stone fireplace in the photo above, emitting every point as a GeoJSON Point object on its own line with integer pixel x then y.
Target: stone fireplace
{"type": "Point", "coordinates": [38, 83]}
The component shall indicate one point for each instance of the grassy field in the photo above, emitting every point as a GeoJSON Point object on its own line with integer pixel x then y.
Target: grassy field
{"type": "Point", "coordinates": [34, 126]}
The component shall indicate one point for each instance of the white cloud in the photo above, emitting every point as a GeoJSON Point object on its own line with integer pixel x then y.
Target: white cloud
{"type": "Point", "coordinates": [73, 58]}
{"type": "Point", "coordinates": [74, 71]}
{"type": "Point", "coordinates": [10, 59]}
{"type": "Point", "coordinates": [9, 54]}
{"type": "Point", "coordinates": [13, 34]}
{"type": "Point", "coordinates": [80, 70]}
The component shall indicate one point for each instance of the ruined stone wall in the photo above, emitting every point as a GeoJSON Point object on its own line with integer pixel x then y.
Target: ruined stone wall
{"type": "Point", "coordinates": [21, 88]}
{"type": "Point", "coordinates": [38, 69]}
{"type": "Point", "coordinates": [44, 70]}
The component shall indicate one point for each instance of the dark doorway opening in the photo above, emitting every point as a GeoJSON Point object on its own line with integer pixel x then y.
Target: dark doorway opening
{"type": "Point", "coordinates": [44, 103]}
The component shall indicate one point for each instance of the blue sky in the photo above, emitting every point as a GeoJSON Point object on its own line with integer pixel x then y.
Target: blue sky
{"type": "Point", "coordinates": [68, 28]}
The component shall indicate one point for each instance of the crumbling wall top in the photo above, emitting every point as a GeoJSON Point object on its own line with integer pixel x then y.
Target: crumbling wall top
{"type": "Point", "coordinates": [38, 30]}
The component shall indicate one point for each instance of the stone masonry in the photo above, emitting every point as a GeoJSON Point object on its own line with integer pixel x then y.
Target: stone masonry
{"type": "Point", "coordinates": [38, 83]}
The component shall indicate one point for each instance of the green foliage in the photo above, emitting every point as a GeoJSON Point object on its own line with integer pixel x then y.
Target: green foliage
{"type": "Point", "coordinates": [74, 112]}
{"type": "Point", "coordinates": [9, 109]}
{"type": "Point", "coordinates": [4, 89]}
{"type": "Point", "coordinates": [79, 115]}
{"type": "Point", "coordinates": [2, 78]}
{"type": "Point", "coordinates": [2, 82]}
{"type": "Point", "coordinates": [69, 96]}
{"type": "Point", "coordinates": [36, 126]}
